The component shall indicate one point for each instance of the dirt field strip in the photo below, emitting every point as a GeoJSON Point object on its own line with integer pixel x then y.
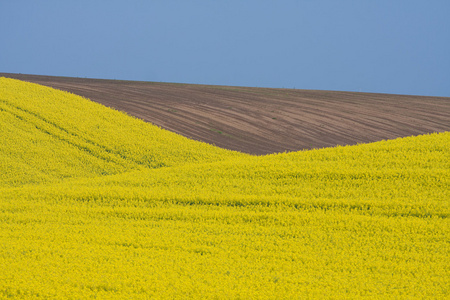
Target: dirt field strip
{"type": "Point", "coordinates": [263, 120]}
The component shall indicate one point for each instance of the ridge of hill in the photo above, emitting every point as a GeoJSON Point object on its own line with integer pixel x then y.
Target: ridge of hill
{"type": "Point", "coordinates": [47, 134]}
{"type": "Point", "coordinates": [263, 120]}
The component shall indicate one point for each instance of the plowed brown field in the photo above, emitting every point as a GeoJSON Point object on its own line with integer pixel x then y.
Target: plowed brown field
{"type": "Point", "coordinates": [263, 120]}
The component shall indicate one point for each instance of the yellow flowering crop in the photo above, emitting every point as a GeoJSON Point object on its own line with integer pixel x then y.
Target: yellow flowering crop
{"type": "Point", "coordinates": [97, 204]}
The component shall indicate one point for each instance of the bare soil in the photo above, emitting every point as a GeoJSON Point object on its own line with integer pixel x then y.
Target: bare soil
{"type": "Point", "coordinates": [263, 120]}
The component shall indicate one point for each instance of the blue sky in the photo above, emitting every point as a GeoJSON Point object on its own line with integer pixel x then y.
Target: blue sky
{"type": "Point", "coordinates": [395, 46]}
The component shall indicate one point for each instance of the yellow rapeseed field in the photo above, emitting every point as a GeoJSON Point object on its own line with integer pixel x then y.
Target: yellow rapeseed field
{"type": "Point", "coordinates": [97, 204]}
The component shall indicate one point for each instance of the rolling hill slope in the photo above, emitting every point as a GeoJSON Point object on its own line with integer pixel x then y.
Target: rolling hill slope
{"type": "Point", "coordinates": [261, 120]}
{"type": "Point", "coordinates": [97, 204]}
{"type": "Point", "coordinates": [49, 134]}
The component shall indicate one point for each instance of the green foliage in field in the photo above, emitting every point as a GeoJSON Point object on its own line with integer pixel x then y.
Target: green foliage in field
{"type": "Point", "coordinates": [94, 203]}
